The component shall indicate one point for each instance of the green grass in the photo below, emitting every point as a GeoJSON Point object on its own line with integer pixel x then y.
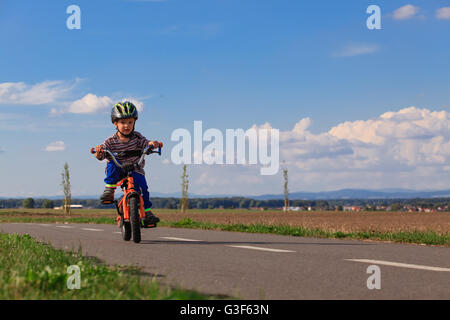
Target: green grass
{"type": "Point", "coordinates": [419, 237]}
{"type": "Point", "coordinates": [32, 270]}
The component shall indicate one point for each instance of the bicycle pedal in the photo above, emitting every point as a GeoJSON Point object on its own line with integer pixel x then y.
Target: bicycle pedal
{"type": "Point", "coordinates": [153, 225]}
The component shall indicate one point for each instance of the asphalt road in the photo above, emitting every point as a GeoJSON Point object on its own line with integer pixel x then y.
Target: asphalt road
{"type": "Point", "coordinates": [262, 266]}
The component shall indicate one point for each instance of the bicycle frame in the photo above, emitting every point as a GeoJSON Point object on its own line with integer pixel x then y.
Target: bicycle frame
{"type": "Point", "coordinates": [127, 185]}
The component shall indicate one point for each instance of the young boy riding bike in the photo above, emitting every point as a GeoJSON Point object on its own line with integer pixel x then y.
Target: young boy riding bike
{"type": "Point", "coordinates": [123, 116]}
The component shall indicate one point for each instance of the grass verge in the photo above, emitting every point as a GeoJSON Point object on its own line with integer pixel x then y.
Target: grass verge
{"type": "Point", "coordinates": [32, 270]}
{"type": "Point", "coordinates": [417, 237]}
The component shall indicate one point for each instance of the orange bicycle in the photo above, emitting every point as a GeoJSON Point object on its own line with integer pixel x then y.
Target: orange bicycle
{"type": "Point", "coordinates": [130, 208]}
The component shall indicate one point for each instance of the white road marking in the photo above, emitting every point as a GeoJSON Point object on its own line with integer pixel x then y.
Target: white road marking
{"type": "Point", "coordinates": [67, 227]}
{"type": "Point", "coordinates": [181, 239]}
{"type": "Point", "coordinates": [401, 265]}
{"type": "Point", "coordinates": [117, 232]}
{"type": "Point", "coordinates": [44, 225]}
{"type": "Point", "coordinates": [89, 229]}
{"type": "Point", "coordinates": [262, 249]}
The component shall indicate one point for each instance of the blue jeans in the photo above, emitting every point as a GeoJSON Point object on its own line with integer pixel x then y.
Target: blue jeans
{"type": "Point", "coordinates": [114, 174]}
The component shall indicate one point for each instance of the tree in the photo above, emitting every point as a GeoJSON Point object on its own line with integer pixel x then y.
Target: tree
{"type": "Point", "coordinates": [396, 206]}
{"type": "Point", "coordinates": [66, 188]}
{"type": "Point", "coordinates": [286, 192]}
{"type": "Point", "coordinates": [47, 204]}
{"type": "Point", "coordinates": [184, 190]}
{"type": "Point", "coordinates": [243, 204]}
{"type": "Point", "coordinates": [170, 205]}
{"type": "Point", "coordinates": [28, 203]}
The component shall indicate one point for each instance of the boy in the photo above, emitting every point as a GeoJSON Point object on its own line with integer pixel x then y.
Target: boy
{"type": "Point", "coordinates": [123, 116]}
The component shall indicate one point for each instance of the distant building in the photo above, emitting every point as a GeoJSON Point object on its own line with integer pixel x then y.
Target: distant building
{"type": "Point", "coordinates": [352, 208]}
{"type": "Point", "coordinates": [293, 209]}
{"type": "Point", "coordinates": [72, 206]}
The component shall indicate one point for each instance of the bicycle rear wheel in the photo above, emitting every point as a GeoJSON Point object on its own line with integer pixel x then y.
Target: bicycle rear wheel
{"type": "Point", "coordinates": [126, 231]}
{"type": "Point", "coordinates": [125, 227]}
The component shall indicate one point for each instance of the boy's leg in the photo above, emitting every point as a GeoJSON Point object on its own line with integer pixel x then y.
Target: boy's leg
{"type": "Point", "coordinates": [141, 186]}
{"type": "Point", "coordinates": [113, 175]}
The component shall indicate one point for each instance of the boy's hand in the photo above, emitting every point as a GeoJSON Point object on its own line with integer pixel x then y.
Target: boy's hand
{"type": "Point", "coordinates": [99, 153]}
{"type": "Point", "coordinates": [154, 144]}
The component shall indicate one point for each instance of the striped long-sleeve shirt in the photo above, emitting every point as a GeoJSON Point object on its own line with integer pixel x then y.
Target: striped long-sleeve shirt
{"type": "Point", "coordinates": [136, 142]}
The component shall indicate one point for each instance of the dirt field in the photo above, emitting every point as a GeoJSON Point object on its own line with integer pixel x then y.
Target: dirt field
{"type": "Point", "coordinates": [325, 220]}
{"type": "Point", "coordinates": [329, 220]}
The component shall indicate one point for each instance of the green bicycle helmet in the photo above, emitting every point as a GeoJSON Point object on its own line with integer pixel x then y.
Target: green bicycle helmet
{"type": "Point", "coordinates": [123, 110]}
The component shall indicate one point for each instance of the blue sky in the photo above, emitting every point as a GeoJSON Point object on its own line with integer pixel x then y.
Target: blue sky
{"type": "Point", "coordinates": [231, 64]}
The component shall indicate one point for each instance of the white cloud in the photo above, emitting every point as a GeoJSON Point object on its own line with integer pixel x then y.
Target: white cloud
{"type": "Point", "coordinates": [91, 103]}
{"type": "Point", "coordinates": [41, 93]}
{"type": "Point", "coordinates": [58, 92]}
{"type": "Point", "coordinates": [443, 13]}
{"type": "Point", "coordinates": [357, 49]}
{"type": "Point", "coordinates": [56, 146]}
{"type": "Point", "coordinates": [226, 179]}
{"type": "Point", "coordinates": [406, 139]}
{"type": "Point", "coordinates": [406, 12]}
{"type": "Point", "coordinates": [408, 148]}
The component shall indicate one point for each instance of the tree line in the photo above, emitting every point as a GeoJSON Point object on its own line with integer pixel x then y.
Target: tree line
{"type": "Point", "coordinates": [240, 203]}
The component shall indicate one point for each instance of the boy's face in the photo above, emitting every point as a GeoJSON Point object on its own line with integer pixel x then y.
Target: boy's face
{"type": "Point", "coordinates": [125, 126]}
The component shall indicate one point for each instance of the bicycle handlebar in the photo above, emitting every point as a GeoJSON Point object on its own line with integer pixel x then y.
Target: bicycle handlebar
{"type": "Point", "coordinates": [147, 150]}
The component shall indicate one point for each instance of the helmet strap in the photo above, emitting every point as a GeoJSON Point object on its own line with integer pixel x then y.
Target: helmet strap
{"type": "Point", "coordinates": [126, 135]}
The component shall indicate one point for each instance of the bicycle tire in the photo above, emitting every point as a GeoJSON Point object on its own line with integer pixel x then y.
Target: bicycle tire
{"type": "Point", "coordinates": [135, 219]}
{"type": "Point", "coordinates": [125, 227]}
{"type": "Point", "coordinates": [126, 231]}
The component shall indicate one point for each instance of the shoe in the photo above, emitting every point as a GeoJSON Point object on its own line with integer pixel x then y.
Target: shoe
{"type": "Point", "coordinates": [108, 195]}
{"type": "Point", "coordinates": [150, 219]}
